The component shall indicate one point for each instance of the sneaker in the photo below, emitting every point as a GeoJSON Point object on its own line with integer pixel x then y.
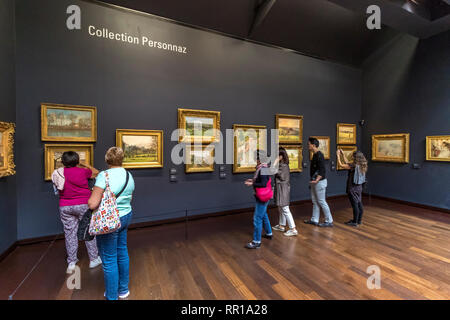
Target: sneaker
{"type": "Point", "coordinates": [278, 228]}
{"type": "Point", "coordinates": [349, 222]}
{"type": "Point", "coordinates": [291, 233]}
{"type": "Point", "coordinates": [311, 222]}
{"type": "Point", "coordinates": [253, 245]}
{"type": "Point", "coordinates": [95, 263]}
{"type": "Point", "coordinates": [268, 236]}
{"type": "Point", "coordinates": [352, 224]}
{"type": "Point", "coordinates": [71, 267]}
{"type": "Point", "coordinates": [326, 225]}
{"type": "Point", "coordinates": [125, 295]}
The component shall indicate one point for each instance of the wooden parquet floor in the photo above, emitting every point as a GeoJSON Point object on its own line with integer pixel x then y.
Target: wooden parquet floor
{"type": "Point", "coordinates": [410, 245]}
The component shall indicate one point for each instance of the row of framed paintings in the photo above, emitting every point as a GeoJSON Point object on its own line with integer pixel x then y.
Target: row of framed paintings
{"type": "Point", "coordinates": [66, 123]}
{"type": "Point", "coordinates": [144, 148]}
{"type": "Point", "coordinates": [7, 166]}
{"type": "Point", "coordinates": [395, 148]}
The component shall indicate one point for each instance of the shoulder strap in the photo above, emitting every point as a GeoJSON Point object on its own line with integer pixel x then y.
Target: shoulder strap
{"type": "Point", "coordinates": [125, 186]}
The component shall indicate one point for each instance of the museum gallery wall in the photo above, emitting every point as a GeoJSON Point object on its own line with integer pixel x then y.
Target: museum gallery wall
{"type": "Point", "coordinates": [138, 92]}
{"type": "Point", "coordinates": [414, 100]}
{"type": "Point", "coordinates": [140, 88]}
{"type": "Point", "coordinates": [8, 212]}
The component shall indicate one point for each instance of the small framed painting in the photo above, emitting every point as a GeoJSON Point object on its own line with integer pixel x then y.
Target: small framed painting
{"type": "Point", "coordinates": [68, 123]}
{"type": "Point", "coordinates": [295, 153]}
{"type": "Point", "coordinates": [7, 166]}
{"type": "Point", "coordinates": [346, 133]}
{"type": "Point", "coordinates": [438, 148]}
{"type": "Point", "coordinates": [324, 146]}
{"type": "Point", "coordinates": [198, 126]}
{"type": "Point", "coordinates": [348, 154]}
{"type": "Point", "coordinates": [142, 148]}
{"type": "Point", "coordinates": [290, 128]}
{"type": "Point", "coordinates": [390, 147]}
{"type": "Point", "coordinates": [54, 152]}
{"type": "Point", "coordinates": [199, 158]}
{"type": "Point", "coordinates": [247, 140]}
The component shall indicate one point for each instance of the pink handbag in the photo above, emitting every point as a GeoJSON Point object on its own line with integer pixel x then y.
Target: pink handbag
{"type": "Point", "coordinates": [266, 193]}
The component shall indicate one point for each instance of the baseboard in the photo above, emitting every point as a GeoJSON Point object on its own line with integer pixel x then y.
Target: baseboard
{"type": "Point", "coordinates": [408, 203]}
{"type": "Point", "coordinates": [8, 251]}
{"type": "Point", "coordinates": [147, 224]}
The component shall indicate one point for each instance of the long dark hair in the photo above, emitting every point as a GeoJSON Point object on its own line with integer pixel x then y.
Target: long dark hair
{"type": "Point", "coordinates": [284, 155]}
{"type": "Point", "coordinates": [360, 160]}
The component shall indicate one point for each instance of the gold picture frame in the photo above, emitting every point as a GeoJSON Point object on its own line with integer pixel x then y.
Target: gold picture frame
{"type": "Point", "coordinates": [348, 153]}
{"type": "Point", "coordinates": [244, 150]}
{"type": "Point", "coordinates": [438, 148]}
{"type": "Point", "coordinates": [7, 166]}
{"type": "Point", "coordinates": [192, 151]}
{"type": "Point", "coordinates": [390, 147]}
{"type": "Point", "coordinates": [143, 148]}
{"type": "Point", "coordinates": [346, 134]}
{"type": "Point", "coordinates": [295, 153]}
{"type": "Point", "coordinates": [68, 123]}
{"type": "Point", "coordinates": [53, 152]}
{"type": "Point", "coordinates": [290, 128]}
{"type": "Point", "coordinates": [209, 121]}
{"type": "Point", "coordinates": [323, 147]}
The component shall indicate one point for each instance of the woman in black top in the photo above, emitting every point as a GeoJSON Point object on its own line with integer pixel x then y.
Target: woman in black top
{"type": "Point", "coordinates": [357, 167]}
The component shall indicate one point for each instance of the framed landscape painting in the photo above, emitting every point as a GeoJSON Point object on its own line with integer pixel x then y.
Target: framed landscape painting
{"type": "Point", "coordinates": [198, 126]}
{"type": "Point", "coordinates": [68, 123]}
{"type": "Point", "coordinates": [290, 128]}
{"type": "Point", "coordinates": [324, 146]}
{"type": "Point", "coordinates": [199, 158]}
{"type": "Point", "coordinates": [348, 153]}
{"type": "Point", "coordinates": [54, 152]}
{"type": "Point", "coordinates": [247, 140]}
{"type": "Point", "coordinates": [142, 148]}
{"type": "Point", "coordinates": [346, 133]}
{"type": "Point", "coordinates": [295, 153]}
{"type": "Point", "coordinates": [7, 166]}
{"type": "Point", "coordinates": [438, 148]}
{"type": "Point", "coordinates": [390, 147]}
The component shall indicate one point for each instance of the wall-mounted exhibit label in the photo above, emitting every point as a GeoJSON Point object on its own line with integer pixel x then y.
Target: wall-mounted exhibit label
{"type": "Point", "coordinates": [130, 39]}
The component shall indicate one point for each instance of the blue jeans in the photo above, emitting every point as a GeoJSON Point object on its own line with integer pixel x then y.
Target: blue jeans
{"type": "Point", "coordinates": [260, 220]}
{"type": "Point", "coordinates": [114, 253]}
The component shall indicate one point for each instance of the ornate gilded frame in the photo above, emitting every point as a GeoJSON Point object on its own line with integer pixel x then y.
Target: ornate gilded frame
{"type": "Point", "coordinates": [7, 129]}
{"type": "Point", "coordinates": [405, 149]}
{"type": "Point", "coordinates": [326, 156]}
{"type": "Point", "coordinates": [142, 165]}
{"type": "Point", "coordinates": [429, 155]}
{"type": "Point", "coordinates": [44, 122]}
{"type": "Point", "coordinates": [348, 125]}
{"type": "Point", "coordinates": [50, 149]}
{"type": "Point", "coordinates": [344, 148]}
{"type": "Point", "coordinates": [300, 156]}
{"type": "Point", "coordinates": [263, 139]}
{"type": "Point", "coordinates": [192, 168]}
{"type": "Point", "coordinates": [288, 116]}
{"type": "Point", "coordinates": [183, 113]}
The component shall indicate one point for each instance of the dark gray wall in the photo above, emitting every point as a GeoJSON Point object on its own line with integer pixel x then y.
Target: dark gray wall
{"type": "Point", "coordinates": [406, 89]}
{"type": "Point", "coordinates": [135, 87]}
{"type": "Point", "coordinates": [8, 212]}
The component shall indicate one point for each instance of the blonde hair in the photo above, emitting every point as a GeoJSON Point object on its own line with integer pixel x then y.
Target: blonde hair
{"type": "Point", "coordinates": [114, 156]}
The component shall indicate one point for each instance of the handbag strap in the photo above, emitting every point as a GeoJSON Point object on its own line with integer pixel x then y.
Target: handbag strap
{"type": "Point", "coordinates": [125, 186]}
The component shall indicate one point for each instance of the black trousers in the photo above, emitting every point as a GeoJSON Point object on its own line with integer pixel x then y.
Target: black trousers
{"type": "Point", "coordinates": [355, 197]}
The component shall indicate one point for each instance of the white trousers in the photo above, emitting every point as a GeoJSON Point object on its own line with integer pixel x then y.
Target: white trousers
{"type": "Point", "coordinates": [286, 215]}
